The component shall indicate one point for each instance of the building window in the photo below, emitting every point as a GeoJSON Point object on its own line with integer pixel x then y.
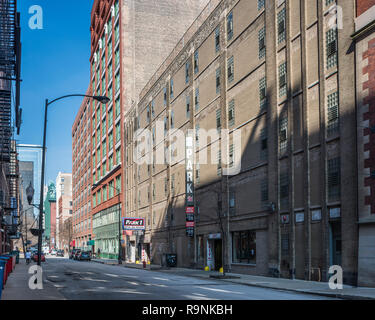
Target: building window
{"type": "Point", "coordinates": [283, 133]}
{"type": "Point", "coordinates": [231, 113]}
{"type": "Point", "coordinates": [196, 100]}
{"type": "Point", "coordinates": [187, 67]}
{"type": "Point", "coordinates": [197, 173]}
{"type": "Point", "coordinates": [165, 96]}
{"type": "Point", "coordinates": [196, 62]}
{"type": "Point", "coordinates": [263, 144]}
{"type": "Point", "coordinates": [218, 81]}
{"type": "Point", "coordinates": [165, 186]}
{"type": "Point", "coordinates": [218, 119]}
{"type": "Point", "coordinates": [333, 179]}
{"type": "Point", "coordinates": [231, 156]}
{"type": "Point", "coordinates": [118, 184]}
{"type": "Point", "coordinates": [117, 58]}
{"type": "Point", "coordinates": [284, 189]}
{"type": "Point", "coordinates": [217, 39]}
{"type": "Point", "coordinates": [118, 132]}
{"type": "Point", "coordinates": [117, 32]}
{"type": "Point", "coordinates": [281, 26]}
{"type": "Point", "coordinates": [262, 93]}
{"type": "Point", "coordinates": [118, 107]}
{"type": "Point", "coordinates": [110, 141]}
{"type": "Point", "coordinates": [264, 192]}
{"type": "Point", "coordinates": [262, 42]}
{"type": "Point", "coordinates": [332, 113]}
{"type": "Point", "coordinates": [172, 119]}
{"type": "Point", "coordinates": [230, 26]}
{"type": "Point", "coordinates": [118, 156]}
{"type": "Point", "coordinates": [104, 149]}
{"type": "Point", "coordinates": [331, 43]}
{"type": "Point", "coordinates": [282, 80]}
{"type": "Point", "coordinates": [153, 192]}
{"type": "Point", "coordinates": [230, 69]}
{"type": "Point", "coordinates": [153, 108]}
{"type": "Point", "coordinates": [285, 244]}
{"type": "Point", "coordinates": [173, 184]}
{"type": "Point", "coordinates": [244, 247]}
{"type": "Point", "coordinates": [110, 117]}
{"type": "Point", "coordinates": [197, 127]}
{"type": "Point", "coordinates": [188, 107]}
{"type": "Point", "coordinates": [105, 194]}
{"type": "Point", "coordinates": [261, 4]}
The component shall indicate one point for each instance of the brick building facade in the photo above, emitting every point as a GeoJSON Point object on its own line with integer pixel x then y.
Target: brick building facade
{"type": "Point", "coordinates": [121, 63]}
{"type": "Point", "coordinates": [280, 72]}
{"type": "Point", "coordinates": [364, 39]}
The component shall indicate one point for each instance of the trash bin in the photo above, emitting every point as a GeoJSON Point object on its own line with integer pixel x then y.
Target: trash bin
{"type": "Point", "coordinates": [2, 274]}
{"type": "Point", "coordinates": [13, 259]}
{"type": "Point", "coordinates": [8, 262]}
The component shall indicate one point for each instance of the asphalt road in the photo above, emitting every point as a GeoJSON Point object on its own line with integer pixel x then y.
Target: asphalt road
{"type": "Point", "coordinates": [77, 280]}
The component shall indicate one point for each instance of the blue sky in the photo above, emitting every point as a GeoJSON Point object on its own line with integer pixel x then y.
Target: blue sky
{"type": "Point", "coordinates": [55, 62]}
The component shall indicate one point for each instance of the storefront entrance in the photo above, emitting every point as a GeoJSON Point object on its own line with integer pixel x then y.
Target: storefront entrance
{"type": "Point", "coordinates": [335, 243]}
{"type": "Point", "coordinates": [214, 254]}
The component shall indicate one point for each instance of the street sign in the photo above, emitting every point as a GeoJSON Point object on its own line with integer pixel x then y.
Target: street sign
{"type": "Point", "coordinates": [133, 224]}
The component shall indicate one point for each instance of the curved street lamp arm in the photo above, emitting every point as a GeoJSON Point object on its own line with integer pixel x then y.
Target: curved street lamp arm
{"type": "Point", "coordinates": [67, 96]}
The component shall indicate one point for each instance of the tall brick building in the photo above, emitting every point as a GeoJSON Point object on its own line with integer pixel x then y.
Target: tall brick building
{"type": "Point", "coordinates": [364, 38]}
{"type": "Point", "coordinates": [123, 32]}
{"type": "Point", "coordinates": [81, 180]}
{"type": "Point", "coordinates": [283, 74]}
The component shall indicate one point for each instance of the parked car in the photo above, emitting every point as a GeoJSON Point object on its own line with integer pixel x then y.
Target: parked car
{"type": "Point", "coordinates": [53, 252]}
{"type": "Point", "coordinates": [60, 253]}
{"type": "Point", "coordinates": [84, 255]}
{"type": "Point", "coordinates": [35, 257]}
{"type": "Point", "coordinates": [76, 254]}
{"type": "Point", "coordinates": [72, 253]}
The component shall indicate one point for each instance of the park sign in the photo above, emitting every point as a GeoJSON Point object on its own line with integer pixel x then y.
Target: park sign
{"type": "Point", "coordinates": [190, 201]}
{"type": "Point", "coordinates": [133, 224]}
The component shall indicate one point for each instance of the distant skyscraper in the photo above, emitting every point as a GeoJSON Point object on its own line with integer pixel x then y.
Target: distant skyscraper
{"type": "Point", "coordinates": [32, 153]}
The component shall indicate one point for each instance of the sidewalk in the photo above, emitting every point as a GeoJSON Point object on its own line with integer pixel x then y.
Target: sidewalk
{"type": "Point", "coordinates": [302, 286]}
{"type": "Point", "coordinates": [17, 286]}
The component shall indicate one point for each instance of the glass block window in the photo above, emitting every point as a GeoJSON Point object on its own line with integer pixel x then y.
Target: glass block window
{"type": "Point", "coordinates": [187, 67]}
{"type": "Point", "coordinates": [188, 107]}
{"type": "Point", "coordinates": [262, 42]}
{"type": "Point", "coordinates": [264, 144]}
{"type": "Point", "coordinates": [333, 179]}
{"type": "Point", "coordinates": [282, 80]}
{"type": "Point", "coordinates": [196, 99]}
{"type": "Point", "coordinates": [218, 80]}
{"type": "Point", "coordinates": [219, 163]}
{"type": "Point", "coordinates": [218, 119]}
{"type": "Point", "coordinates": [230, 69]}
{"type": "Point", "coordinates": [231, 119]}
{"type": "Point", "coordinates": [217, 39]}
{"type": "Point", "coordinates": [281, 32]}
{"type": "Point", "coordinates": [196, 62]}
{"type": "Point", "coordinates": [284, 189]}
{"type": "Point", "coordinates": [283, 133]}
{"type": "Point", "coordinates": [230, 26]}
{"type": "Point", "coordinates": [331, 48]}
{"type": "Point", "coordinates": [262, 93]}
{"type": "Point", "coordinates": [261, 4]}
{"type": "Point", "coordinates": [332, 113]}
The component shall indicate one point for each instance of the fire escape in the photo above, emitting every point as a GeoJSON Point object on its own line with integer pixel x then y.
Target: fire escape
{"type": "Point", "coordinates": [10, 49]}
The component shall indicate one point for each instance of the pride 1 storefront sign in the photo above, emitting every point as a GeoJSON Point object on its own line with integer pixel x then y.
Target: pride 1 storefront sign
{"type": "Point", "coordinates": [133, 224]}
{"type": "Point", "coordinates": [189, 203]}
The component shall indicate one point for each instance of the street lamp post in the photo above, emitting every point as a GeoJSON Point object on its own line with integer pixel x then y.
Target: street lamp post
{"type": "Point", "coordinates": [119, 221]}
{"type": "Point", "coordinates": [101, 99]}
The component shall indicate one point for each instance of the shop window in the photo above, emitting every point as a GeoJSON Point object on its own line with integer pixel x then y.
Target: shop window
{"type": "Point", "coordinates": [244, 247]}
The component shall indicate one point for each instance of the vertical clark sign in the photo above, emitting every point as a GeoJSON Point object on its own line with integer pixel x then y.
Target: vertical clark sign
{"type": "Point", "coordinates": [189, 203]}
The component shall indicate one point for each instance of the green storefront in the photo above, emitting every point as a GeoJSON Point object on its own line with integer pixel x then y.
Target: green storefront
{"type": "Point", "coordinates": [106, 231]}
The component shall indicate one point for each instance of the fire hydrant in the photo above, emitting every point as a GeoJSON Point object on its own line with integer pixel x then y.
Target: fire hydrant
{"type": "Point", "coordinates": [144, 264]}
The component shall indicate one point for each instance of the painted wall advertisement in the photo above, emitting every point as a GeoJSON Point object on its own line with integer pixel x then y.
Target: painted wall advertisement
{"type": "Point", "coordinates": [189, 206]}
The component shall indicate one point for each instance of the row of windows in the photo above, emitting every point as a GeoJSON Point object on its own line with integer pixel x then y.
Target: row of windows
{"type": "Point", "coordinates": [106, 193]}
